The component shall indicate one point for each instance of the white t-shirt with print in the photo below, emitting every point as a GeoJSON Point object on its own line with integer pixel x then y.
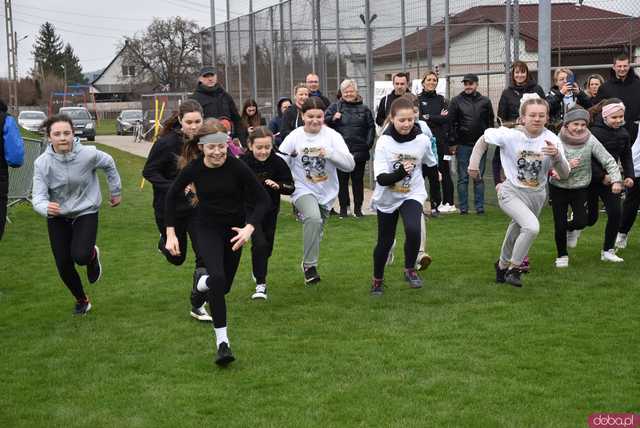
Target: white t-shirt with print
{"type": "Point", "coordinates": [389, 155]}
{"type": "Point", "coordinates": [524, 164]}
{"type": "Point", "coordinates": [313, 174]}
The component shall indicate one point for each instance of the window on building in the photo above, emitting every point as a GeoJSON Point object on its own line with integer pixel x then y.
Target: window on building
{"type": "Point", "coordinates": [128, 70]}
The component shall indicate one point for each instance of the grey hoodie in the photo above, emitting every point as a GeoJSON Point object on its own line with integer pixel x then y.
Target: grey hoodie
{"type": "Point", "coordinates": [70, 179]}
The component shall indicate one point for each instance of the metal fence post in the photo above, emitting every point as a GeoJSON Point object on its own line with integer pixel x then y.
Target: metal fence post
{"type": "Point", "coordinates": [290, 49]}
{"type": "Point", "coordinates": [447, 59]}
{"type": "Point", "coordinates": [507, 42]}
{"type": "Point", "coordinates": [313, 36]}
{"type": "Point", "coordinates": [429, 38]}
{"type": "Point", "coordinates": [544, 44]}
{"type": "Point", "coordinates": [214, 53]}
{"type": "Point", "coordinates": [322, 65]}
{"type": "Point", "coordinates": [281, 76]}
{"type": "Point", "coordinates": [338, 43]}
{"type": "Point", "coordinates": [252, 46]}
{"type": "Point", "coordinates": [273, 64]}
{"type": "Point", "coordinates": [227, 47]}
{"type": "Point", "coordinates": [370, 82]}
{"type": "Point", "coordinates": [403, 51]}
{"type": "Point", "coordinates": [239, 62]}
{"type": "Point", "coordinates": [516, 30]}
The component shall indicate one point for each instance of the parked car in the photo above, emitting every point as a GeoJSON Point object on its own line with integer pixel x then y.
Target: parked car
{"type": "Point", "coordinates": [126, 121]}
{"type": "Point", "coordinates": [31, 120]}
{"type": "Point", "coordinates": [83, 124]}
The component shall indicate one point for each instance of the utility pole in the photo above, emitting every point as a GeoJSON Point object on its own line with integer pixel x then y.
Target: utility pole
{"type": "Point", "coordinates": [12, 58]}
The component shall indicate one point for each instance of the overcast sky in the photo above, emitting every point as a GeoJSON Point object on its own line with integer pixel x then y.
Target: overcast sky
{"type": "Point", "coordinates": [94, 27]}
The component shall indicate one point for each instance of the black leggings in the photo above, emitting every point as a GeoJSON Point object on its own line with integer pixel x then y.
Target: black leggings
{"type": "Point", "coordinates": [183, 226]}
{"type": "Point", "coordinates": [431, 174]}
{"type": "Point", "coordinates": [611, 205]}
{"type": "Point", "coordinates": [630, 207]}
{"type": "Point", "coordinates": [72, 241]}
{"type": "Point", "coordinates": [357, 180]}
{"type": "Point", "coordinates": [214, 246]}
{"type": "Point", "coordinates": [561, 199]}
{"type": "Point", "coordinates": [411, 212]}
{"type": "Point", "coordinates": [262, 246]}
{"type": "Point", "coordinates": [444, 167]}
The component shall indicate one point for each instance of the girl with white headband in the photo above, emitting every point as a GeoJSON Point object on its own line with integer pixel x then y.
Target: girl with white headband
{"type": "Point", "coordinates": [527, 154]}
{"type": "Point", "coordinates": [579, 147]}
{"type": "Point", "coordinates": [225, 185]}
{"type": "Point", "coordinates": [608, 121]}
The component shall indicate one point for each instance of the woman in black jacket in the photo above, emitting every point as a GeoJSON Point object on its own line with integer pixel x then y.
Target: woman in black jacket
{"type": "Point", "coordinates": [160, 170]}
{"type": "Point", "coordinates": [292, 118]}
{"type": "Point", "coordinates": [608, 121]}
{"type": "Point", "coordinates": [564, 95]}
{"type": "Point", "coordinates": [433, 110]}
{"type": "Point", "coordinates": [275, 125]}
{"type": "Point", "coordinates": [353, 120]}
{"type": "Point", "coordinates": [509, 105]}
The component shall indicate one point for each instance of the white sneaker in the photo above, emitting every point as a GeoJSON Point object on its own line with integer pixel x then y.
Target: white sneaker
{"type": "Point", "coordinates": [562, 262]}
{"type": "Point", "coordinates": [572, 238]}
{"type": "Point", "coordinates": [447, 208]}
{"type": "Point", "coordinates": [621, 240]}
{"type": "Point", "coordinates": [201, 314]}
{"type": "Point", "coordinates": [391, 257]}
{"type": "Point", "coordinates": [261, 292]}
{"type": "Point", "coordinates": [610, 256]}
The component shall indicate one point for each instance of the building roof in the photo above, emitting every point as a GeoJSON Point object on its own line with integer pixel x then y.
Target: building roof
{"type": "Point", "coordinates": [572, 28]}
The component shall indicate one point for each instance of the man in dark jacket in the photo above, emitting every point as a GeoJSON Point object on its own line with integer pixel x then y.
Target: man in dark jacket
{"type": "Point", "coordinates": [276, 123]}
{"type": "Point", "coordinates": [313, 83]}
{"type": "Point", "coordinates": [11, 155]}
{"type": "Point", "coordinates": [624, 84]}
{"type": "Point", "coordinates": [215, 101]}
{"type": "Point", "coordinates": [470, 114]}
{"type": "Point", "coordinates": [352, 119]}
{"type": "Point", "coordinates": [400, 87]}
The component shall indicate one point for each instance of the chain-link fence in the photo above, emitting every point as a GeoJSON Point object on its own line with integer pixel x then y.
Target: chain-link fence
{"type": "Point", "coordinates": [262, 55]}
{"type": "Point", "coordinates": [21, 179]}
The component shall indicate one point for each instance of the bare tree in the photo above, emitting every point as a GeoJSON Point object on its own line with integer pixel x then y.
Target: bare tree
{"type": "Point", "coordinates": [167, 53]}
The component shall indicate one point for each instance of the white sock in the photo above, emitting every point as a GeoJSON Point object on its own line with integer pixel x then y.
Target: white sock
{"type": "Point", "coordinates": [221, 335]}
{"type": "Point", "coordinates": [202, 284]}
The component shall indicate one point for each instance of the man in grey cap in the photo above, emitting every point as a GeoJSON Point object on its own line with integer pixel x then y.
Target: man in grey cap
{"type": "Point", "coordinates": [215, 101]}
{"type": "Point", "coordinates": [470, 113]}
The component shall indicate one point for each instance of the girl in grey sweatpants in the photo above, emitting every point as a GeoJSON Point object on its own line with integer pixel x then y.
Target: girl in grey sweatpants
{"type": "Point", "coordinates": [527, 155]}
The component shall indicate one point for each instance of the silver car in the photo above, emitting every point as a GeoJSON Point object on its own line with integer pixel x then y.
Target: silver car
{"type": "Point", "coordinates": [31, 120]}
{"type": "Point", "coordinates": [126, 121]}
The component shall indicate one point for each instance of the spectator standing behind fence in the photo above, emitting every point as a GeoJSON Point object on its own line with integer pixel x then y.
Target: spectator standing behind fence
{"type": "Point", "coordinates": [563, 96]}
{"type": "Point", "coordinates": [354, 121]}
{"type": "Point", "coordinates": [592, 86]}
{"type": "Point", "coordinates": [623, 83]}
{"type": "Point", "coordinates": [11, 155]}
{"type": "Point", "coordinates": [275, 125]}
{"type": "Point", "coordinates": [434, 111]}
{"type": "Point", "coordinates": [66, 191]}
{"type": "Point", "coordinates": [249, 120]}
{"type": "Point", "coordinates": [509, 106]}
{"type": "Point", "coordinates": [292, 118]}
{"type": "Point", "coordinates": [631, 201]}
{"type": "Point", "coordinates": [400, 87]}
{"type": "Point", "coordinates": [313, 83]}
{"type": "Point", "coordinates": [470, 114]}
{"type": "Point", "coordinates": [215, 101]}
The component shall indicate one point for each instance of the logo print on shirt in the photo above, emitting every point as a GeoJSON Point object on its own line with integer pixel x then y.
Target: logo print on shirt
{"type": "Point", "coordinates": [404, 185]}
{"type": "Point", "coordinates": [314, 165]}
{"type": "Point", "coordinates": [529, 165]}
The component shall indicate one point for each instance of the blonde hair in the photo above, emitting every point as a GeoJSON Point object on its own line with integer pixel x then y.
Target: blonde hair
{"type": "Point", "coordinates": [298, 87]}
{"type": "Point", "coordinates": [348, 82]}
{"type": "Point", "coordinates": [568, 72]}
{"type": "Point", "coordinates": [533, 101]}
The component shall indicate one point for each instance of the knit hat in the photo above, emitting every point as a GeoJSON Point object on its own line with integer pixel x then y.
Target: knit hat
{"type": "Point", "coordinates": [610, 109]}
{"type": "Point", "coordinates": [576, 114]}
{"type": "Point", "coordinates": [216, 138]}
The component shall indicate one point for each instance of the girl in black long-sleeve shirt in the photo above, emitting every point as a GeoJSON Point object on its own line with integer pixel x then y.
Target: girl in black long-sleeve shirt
{"type": "Point", "coordinates": [224, 186]}
{"type": "Point", "coordinates": [274, 174]}
{"type": "Point", "coordinates": [160, 170]}
{"type": "Point", "coordinates": [609, 130]}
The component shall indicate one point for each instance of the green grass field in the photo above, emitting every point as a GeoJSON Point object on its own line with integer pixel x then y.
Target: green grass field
{"type": "Point", "coordinates": [462, 351]}
{"type": "Point", "coordinates": [106, 127]}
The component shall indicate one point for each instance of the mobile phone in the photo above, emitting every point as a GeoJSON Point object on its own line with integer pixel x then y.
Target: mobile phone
{"type": "Point", "coordinates": [571, 80]}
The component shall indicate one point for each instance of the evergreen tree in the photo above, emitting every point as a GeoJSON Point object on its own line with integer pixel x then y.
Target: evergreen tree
{"type": "Point", "coordinates": [47, 50]}
{"type": "Point", "coordinates": [72, 65]}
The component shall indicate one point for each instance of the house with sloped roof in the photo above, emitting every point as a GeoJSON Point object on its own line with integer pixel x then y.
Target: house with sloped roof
{"type": "Point", "coordinates": [580, 35]}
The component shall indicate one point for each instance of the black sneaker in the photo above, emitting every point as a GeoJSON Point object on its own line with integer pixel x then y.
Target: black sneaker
{"type": "Point", "coordinates": [333, 212]}
{"type": "Point", "coordinates": [480, 212]}
{"type": "Point", "coordinates": [94, 268]}
{"type": "Point", "coordinates": [197, 297]}
{"type": "Point", "coordinates": [82, 307]}
{"type": "Point", "coordinates": [464, 212]}
{"type": "Point", "coordinates": [513, 277]}
{"type": "Point", "coordinates": [500, 273]}
{"type": "Point", "coordinates": [412, 277]}
{"type": "Point", "coordinates": [224, 356]}
{"type": "Point", "coordinates": [344, 213]}
{"type": "Point", "coordinates": [377, 287]}
{"type": "Point", "coordinates": [311, 275]}
{"type": "Point", "coordinates": [200, 313]}
{"type": "Point", "coordinates": [358, 213]}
